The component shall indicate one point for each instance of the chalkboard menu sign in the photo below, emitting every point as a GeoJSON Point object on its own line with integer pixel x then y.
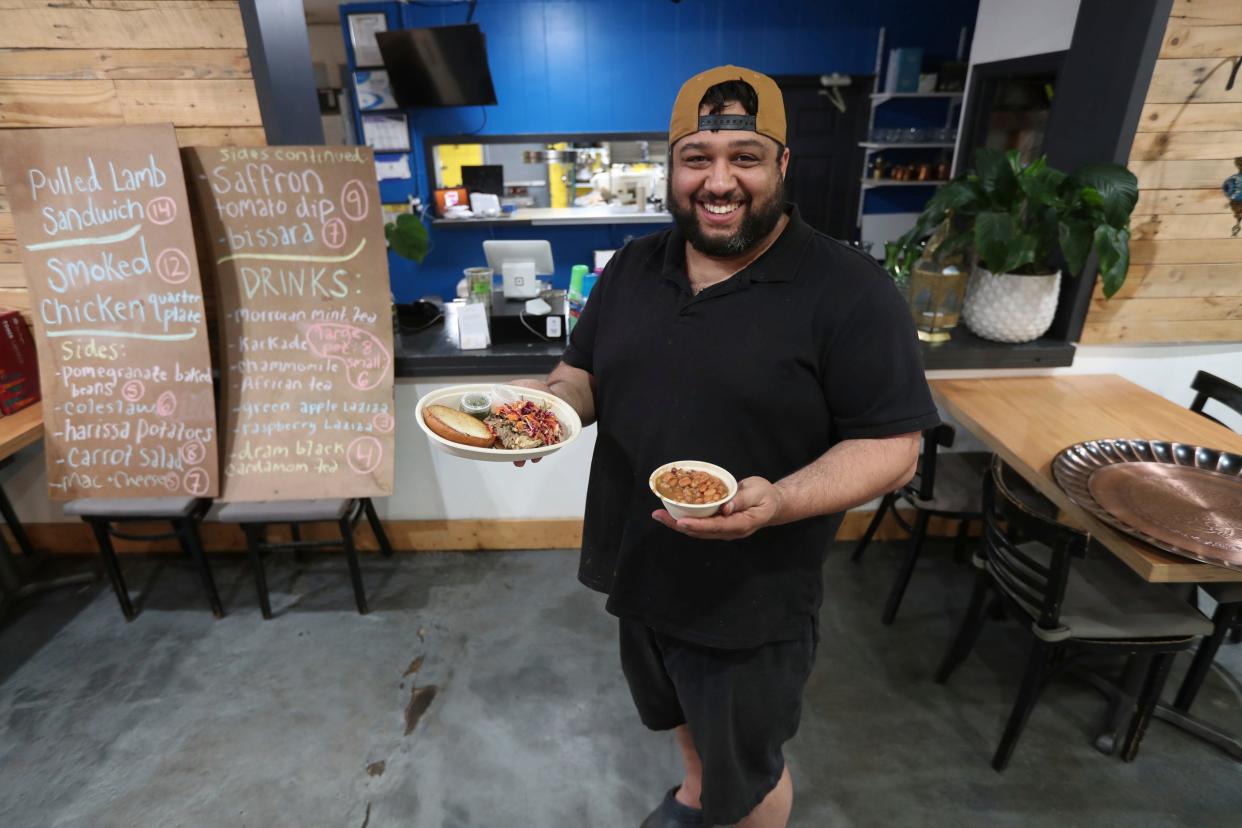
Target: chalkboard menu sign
{"type": "Point", "coordinates": [305, 319]}
{"type": "Point", "coordinates": [103, 228]}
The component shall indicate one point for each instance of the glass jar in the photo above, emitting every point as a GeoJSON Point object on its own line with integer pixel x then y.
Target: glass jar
{"type": "Point", "coordinates": [935, 298]}
{"type": "Point", "coordinates": [937, 289]}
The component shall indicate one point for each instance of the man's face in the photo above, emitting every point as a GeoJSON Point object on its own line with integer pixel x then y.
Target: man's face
{"type": "Point", "coordinates": [727, 189]}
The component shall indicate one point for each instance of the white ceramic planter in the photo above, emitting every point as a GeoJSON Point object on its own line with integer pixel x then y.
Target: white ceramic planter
{"type": "Point", "coordinates": [1009, 307]}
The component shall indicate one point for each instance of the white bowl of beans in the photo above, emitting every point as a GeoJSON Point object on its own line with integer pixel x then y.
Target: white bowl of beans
{"type": "Point", "coordinates": [691, 488]}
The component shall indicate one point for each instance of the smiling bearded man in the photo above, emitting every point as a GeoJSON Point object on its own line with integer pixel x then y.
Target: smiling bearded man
{"type": "Point", "coordinates": [730, 219]}
{"type": "Point", "coordinates": [740, 337]}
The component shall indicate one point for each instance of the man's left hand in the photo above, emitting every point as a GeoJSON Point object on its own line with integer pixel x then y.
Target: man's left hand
{"type": "Point", "coordinates": [756, 505]}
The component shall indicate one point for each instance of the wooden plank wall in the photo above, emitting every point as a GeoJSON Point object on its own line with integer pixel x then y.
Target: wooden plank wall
{"type": "Point", "coordinates": [1185, 277]}
{"type": "Point", "coordinates": [73, 63]}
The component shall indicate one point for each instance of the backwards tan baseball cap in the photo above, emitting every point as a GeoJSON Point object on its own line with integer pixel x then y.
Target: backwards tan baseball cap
{"type": "Point", "coordinates": [769, 120]}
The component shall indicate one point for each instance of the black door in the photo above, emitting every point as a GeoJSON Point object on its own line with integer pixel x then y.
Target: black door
{"type": "Point", "coordinates": [825, 161]}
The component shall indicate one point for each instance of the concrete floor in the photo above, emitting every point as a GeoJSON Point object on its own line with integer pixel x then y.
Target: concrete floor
{"type": "Point", "coordinates": [484, 690]}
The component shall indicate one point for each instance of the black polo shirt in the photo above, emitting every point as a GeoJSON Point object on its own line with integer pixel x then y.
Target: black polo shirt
{"type": "Point", "coordinates": [809, 345]}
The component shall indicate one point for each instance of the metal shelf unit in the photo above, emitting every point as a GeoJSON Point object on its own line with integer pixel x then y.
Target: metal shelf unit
{"type": "Point", "coordinates": [872, 183]}
{"type": "Point", "coordinates": [953, 116]}
{"type": "Point", "coordinates": [875, 145]}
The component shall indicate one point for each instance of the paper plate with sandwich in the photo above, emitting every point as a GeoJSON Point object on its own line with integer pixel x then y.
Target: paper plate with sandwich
{"type": "Point", "coordinates": [499, 423]}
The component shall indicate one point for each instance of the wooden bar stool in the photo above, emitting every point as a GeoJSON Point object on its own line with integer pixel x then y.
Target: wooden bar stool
{"type": "Point", "coordinates": [184, 513]}
{"type": "Point", "coordinates": [255, 516]}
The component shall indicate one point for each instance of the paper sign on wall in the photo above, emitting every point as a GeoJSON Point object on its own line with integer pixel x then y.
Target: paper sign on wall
{"type": "Point", "coordinates": [103, 228]}
{"type": "Point", "coordinates": [305, 315]}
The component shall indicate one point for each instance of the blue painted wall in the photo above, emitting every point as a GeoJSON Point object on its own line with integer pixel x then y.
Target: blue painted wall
{"type": "Point", "coordinates": [616, 65]}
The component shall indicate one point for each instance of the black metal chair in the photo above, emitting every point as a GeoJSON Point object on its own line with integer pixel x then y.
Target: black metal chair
{"type": "Point", "coordinates": [16, 581]}
{"type": "Point", "coordinates": [104, 515]}
{"type": "Point", "coordinates": [945, 485]}
{"type": "Point", "coordinates": [1228, 616]}
{"type": "Point", "coordinates": [255, 516]}
{"type": "Point", "coordinates": [1228, 597]}
{"type": "Point", "coordinates": [1043, 574]}
{"type": "Point", "coordinates": [1211, 387]}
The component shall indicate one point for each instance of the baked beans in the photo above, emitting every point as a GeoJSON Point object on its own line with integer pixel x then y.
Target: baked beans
{"type": "Point", "coordinates": [691, 487]}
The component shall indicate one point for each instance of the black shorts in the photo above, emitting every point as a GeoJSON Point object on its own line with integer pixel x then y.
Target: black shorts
{"type": "Point", "coordinates": [741, 707]}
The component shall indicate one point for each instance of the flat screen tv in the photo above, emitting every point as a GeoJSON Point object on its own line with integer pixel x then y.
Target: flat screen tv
{"type": "Point", "coordinates": [438, 66]}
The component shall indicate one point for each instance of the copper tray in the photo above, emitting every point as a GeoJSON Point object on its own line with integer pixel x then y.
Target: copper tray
{"type": "Point", "coordinates": [1183, 499]}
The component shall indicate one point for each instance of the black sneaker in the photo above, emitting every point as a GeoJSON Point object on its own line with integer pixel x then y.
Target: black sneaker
{"type": "Point", "coordinates": [672, 814]}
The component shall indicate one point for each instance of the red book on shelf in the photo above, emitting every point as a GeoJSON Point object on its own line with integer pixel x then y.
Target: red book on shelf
{"type": "Point", "coordinates": [19, 370]}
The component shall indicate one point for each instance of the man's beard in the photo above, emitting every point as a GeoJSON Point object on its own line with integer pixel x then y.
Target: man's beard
{"type": "Point", "coordinates": [760, 219]}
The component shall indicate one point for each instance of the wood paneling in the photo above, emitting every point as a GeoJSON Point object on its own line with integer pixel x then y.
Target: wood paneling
{"type": "Point", "coordinates": [221, 136]}
{"type": "Point", "coordinates": [1182, 175]}
{"type": "Point", "coordinates": [125, 64]}
{"type": "Point", "coordinates": [1182, 146]}
{"type": "Point", "coordinates": [60, 103]}
{"type": "Point", "coordinates": [99, 24]}
{"type": "Point", "coordinates": [27, 103]}
{"type": "Point", "coordinates": [1191, 117]}
{"type": "Point", "coordinates": [1181, 202]}
{"type": "Point", "coordinates": [69, 63]}
{"type": "Point", "coordinates": [1174, 281]}
{"type": "Point", "coordinates": [1173, 226]}
{"type": "Point", "coordinates": [1134, 333]}
{"type": "Point", "coordinates": [1185, 277]}
{"type": "Point", "coordinates": [1210, 251]}
{"type": "Point", "coordinates": [1194, 309]}
{"type": "Point", "coordinates": [12, 275]}
{"type": "Point", "coordinates": [1186, 40]}
{"type": "Point", "coordinates": [1203, 80]}
{"type": "Point", "coordinates": [217, 103]}
{"type": "Point", "coordinates": [1204, 12]}
{"type": "Point", "coordinates": [16, 299]}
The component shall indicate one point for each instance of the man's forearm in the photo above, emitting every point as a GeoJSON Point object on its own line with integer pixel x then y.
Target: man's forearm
{"type": "Point", "coordinates": [847, 475]}
{"type": "Point", "coordinates": [575, 387]}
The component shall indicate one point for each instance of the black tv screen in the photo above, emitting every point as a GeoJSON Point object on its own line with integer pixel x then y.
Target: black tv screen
{"type": "Point", "coordinates": [438, 66]}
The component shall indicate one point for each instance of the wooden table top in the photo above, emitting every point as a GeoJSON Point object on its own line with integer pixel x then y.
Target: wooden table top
{"type": "Point", "coordinates": [1029, 420]}
{"type": "Point", "coordinates": [20, 430]}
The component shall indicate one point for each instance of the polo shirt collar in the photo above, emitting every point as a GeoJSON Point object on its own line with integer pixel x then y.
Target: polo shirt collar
{"type": "Point", "coordinates": [779, 263]}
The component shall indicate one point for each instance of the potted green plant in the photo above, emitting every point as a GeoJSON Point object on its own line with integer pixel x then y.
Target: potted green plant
{"type": "Point", "coordinates": [1023, 224]}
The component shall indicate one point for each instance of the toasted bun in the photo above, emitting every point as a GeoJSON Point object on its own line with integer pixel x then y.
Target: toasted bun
{"type": "Point", "coordinates": [458, 426]}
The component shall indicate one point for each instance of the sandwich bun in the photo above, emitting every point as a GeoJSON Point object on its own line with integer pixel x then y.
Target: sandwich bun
{"type": "Point", "coordinates": [458, 426]}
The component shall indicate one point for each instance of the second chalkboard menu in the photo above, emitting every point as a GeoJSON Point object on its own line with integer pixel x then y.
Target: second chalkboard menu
{"type": "Point", "coordinates": [305, 319]}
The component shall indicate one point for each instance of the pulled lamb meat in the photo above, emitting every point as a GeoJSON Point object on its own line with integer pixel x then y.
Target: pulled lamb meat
{"type": "Point", "coordinates": [524, 425]}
